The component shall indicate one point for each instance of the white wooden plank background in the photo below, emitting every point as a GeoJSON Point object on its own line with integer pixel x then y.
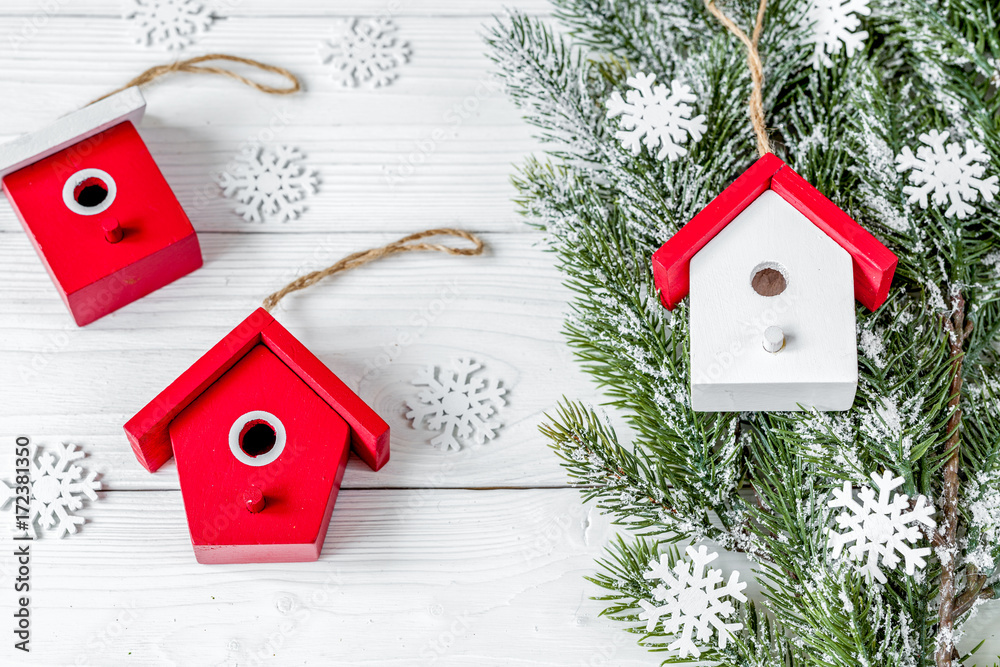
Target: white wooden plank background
{"type": "Point", "coordinates": [469, 558]}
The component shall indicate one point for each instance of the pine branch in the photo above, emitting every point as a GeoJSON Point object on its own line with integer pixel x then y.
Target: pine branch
{"type": "Point", "coordinates": [926, 407]}
{"type": "Point", "coordinates": [762, 642]}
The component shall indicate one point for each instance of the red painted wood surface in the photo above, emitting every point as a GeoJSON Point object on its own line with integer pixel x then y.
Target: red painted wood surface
{"type": "Point", "coordinates": [874, 264]}
{"type": "Point", "coordinates": [258, 366]}
{"type": "Point", "coordinates": [93, 275]}
{"type": "Point", "coordinates": [299, 487]}
{"type": "Point", "coordinates": [147, 430]}
{"type": "Point", "coordinates": [369, 433]}
{"type": "Point", "coordinates": [672, 262]}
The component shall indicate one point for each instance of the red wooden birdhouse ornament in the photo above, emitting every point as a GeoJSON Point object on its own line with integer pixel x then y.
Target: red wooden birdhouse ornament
{"type": "Point", "coordinates": [261, 431]}
{"type": "Point", "coordinates": [104, 221]}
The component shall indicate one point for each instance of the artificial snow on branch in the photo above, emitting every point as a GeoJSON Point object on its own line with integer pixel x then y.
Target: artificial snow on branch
{"type": "Point", "coordinates": [847, 86]}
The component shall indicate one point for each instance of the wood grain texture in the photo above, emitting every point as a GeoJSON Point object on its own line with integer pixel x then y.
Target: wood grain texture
{"type": "Point", "coordinates": [374, 328]}
{"type": "Point", "coordinates": [302, 8]}
{"type": "Point", "coordinates": [405, 578]}
{"type": "Point", "coordinates": [434, 148]}
{"type": "Point", "coordinates": [416, 569]}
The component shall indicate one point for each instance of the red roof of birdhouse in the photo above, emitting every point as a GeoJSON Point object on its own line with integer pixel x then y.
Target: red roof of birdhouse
{"type": "Point", "coordinates": [874, 264]}
{"type": "Point", "coordinates": [148, 430]}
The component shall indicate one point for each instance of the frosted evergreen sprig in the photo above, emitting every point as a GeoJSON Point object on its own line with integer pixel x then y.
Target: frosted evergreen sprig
{"type": "Point", "coordinates": [757, 482]}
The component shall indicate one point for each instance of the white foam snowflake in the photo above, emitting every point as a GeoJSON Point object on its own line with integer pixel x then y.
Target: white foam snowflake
{"type": "Point", "coordinates": [941, 170]}
{"type": "Point", "coordinates": [652, 117]}
{"type": "Point", "coordinates": [172, 24]}
{"type": "Point", "coordinates": [268, 183]}
{"type": "Point", "coordinates": [457, 404]}
{"type": "Point", "coordinates": [879, 527]}
{"type": "Point", "coordinates": [832, 26]}
{"type": "Point", "coordinates": [692, 600]}
{"type": "Point", "coordinates": [57, 488]}
{"type": "Point", "coordinates": [363, 51]}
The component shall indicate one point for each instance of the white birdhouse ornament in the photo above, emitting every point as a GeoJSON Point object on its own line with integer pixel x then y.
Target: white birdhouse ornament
{"type": "Point", "coordinates": [773, 268]}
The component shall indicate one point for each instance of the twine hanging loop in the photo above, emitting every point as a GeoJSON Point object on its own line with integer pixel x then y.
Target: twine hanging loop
{"type": "Point", "coordinates": [193, 66]}
{"type": "Point", "coordinates": [756, 69]}
{"type": "Point", "coordinates": [357, 259]}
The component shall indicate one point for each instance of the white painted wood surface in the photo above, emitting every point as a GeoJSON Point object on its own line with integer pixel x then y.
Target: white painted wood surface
{"type": "Point", "coordinates": [469, 558]}
{"type": "Point", "coordinates": [71, 129]}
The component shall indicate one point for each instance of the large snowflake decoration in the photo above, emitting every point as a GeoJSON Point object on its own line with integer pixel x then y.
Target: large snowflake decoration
{"type": "Point", "coordinates": [832, 26]}
{"type": "Point", "coordinates": [457, 404]}
{"type": "Point", "coordinates": [169, 23]}
{"type": "Point", "coordinates": [692, 600]}
{"type": "Point", "coordinates": [363, 51]}
{"type": "Point", "coordinates": [651, 116]}
{"type": "Point", "coordinates": [942, 171]}
{"type": "Point", "coordinates": [268, 183]}
{"type": "Point", "coordinates": [57, 488]}
{"type": "Point", "coordinates": [879, 527]}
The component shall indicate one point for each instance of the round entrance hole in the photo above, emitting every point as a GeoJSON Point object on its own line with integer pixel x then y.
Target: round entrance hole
{"type": "Point", "coordinates": [769, 279]}
{"type": "Point", "coordinates": [257, 438]}
{"type": "Point", "coordinates": [90, 192]}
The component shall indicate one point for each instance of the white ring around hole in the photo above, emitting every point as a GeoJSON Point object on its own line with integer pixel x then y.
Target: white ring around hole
{"type": "Point", "coordinates": [79, 177]}
{"type": "Point", "coordinates": [263, 459]}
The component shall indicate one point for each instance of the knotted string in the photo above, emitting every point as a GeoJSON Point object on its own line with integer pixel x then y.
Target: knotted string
{"type": "Point", "coordinates": [756, 70]}
{"type": "Point", "coordinates": [363, 257]}
{"type": "Point", "coordinates": [191, 65]}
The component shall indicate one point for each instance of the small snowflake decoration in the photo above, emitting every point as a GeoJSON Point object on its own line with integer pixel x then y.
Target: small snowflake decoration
{"type": "Point", "coordinates": [832, 26]}
{"type": "Point", "coordinates": [363, 51]}
{"type": "Point", "coordinates": [268, 183]}
{"type": "Point", "coordinates": [692, 600]}
{"type": "Point", "coordinates": [879, 527]}
{"type": "Point", "coordinates": [456, 404]}
{"type": "Point", "coordinates": [57, 488]}
{"type": "Point", "coordinates": [942, 171]}
{"type": "Point", "coordinates": [651, 116]}
{"type": "Point", "coordinates": [172, 24]}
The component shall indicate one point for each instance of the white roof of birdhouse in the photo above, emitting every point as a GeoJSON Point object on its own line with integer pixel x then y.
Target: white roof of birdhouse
{"type": "Point", "coordinates": [71, 129]}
